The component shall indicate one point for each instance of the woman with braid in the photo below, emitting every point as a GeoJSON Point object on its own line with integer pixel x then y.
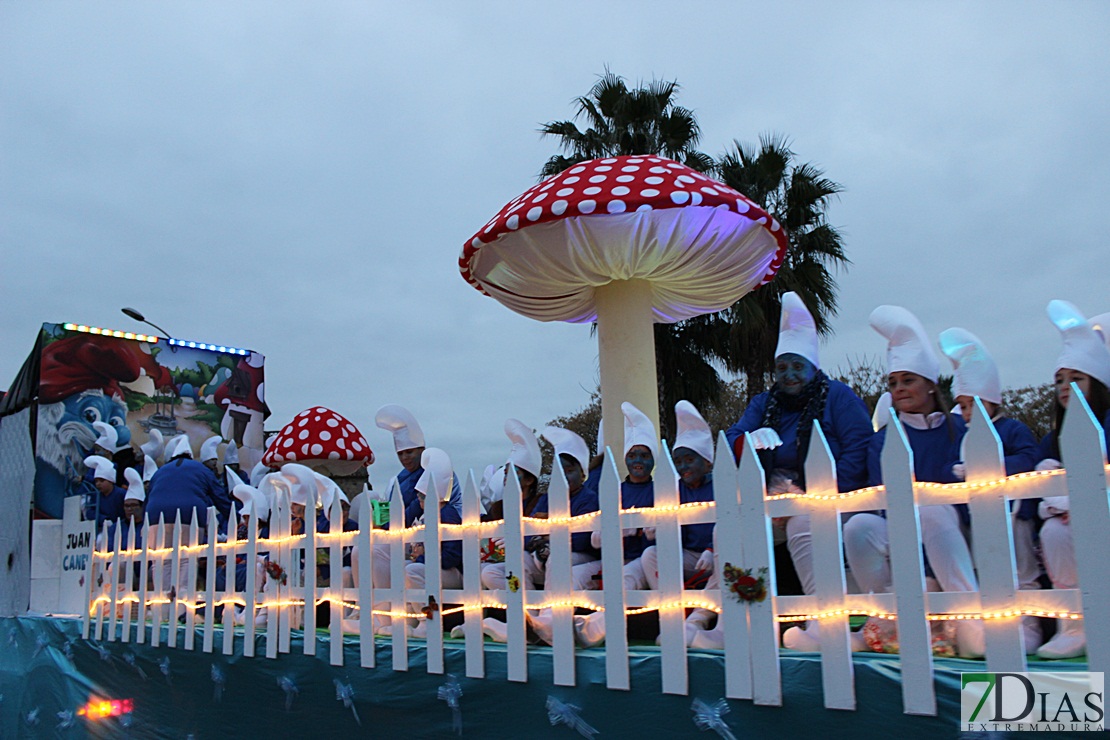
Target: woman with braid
{"type": "Point", "coordinates": [781, 424]}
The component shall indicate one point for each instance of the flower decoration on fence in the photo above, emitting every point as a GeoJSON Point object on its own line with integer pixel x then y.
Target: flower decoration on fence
{"type": "Point", "coordinates": [493, 551]}
{"type": "Point", "coordinates": [513, 582]}
{"type": "Point", "coordinates": [431, 608]}
{"type": "Point", "coordinates": [747, 587]}
{"type": "Point", "coordinates": [276, 572]}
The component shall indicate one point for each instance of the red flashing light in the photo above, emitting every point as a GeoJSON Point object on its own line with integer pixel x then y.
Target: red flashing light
{"type": "Point", "coordinates": [101, 708]}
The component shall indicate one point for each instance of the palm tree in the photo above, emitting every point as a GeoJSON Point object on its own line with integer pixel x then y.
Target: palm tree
{"type": "Point", "coordinates": [646, 120]}
{"type": "Point", "coordinates": [798, 195]}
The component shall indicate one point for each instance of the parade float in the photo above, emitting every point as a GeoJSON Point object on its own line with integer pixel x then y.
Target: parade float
{"type": "Point", "coordinates": [625, 242]}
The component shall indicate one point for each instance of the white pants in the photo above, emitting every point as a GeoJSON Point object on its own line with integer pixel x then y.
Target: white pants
{"type": "Point", "coordinates": [1059, 553]}
{"type": "Point", "coordinates": [183, 565]}
{"type": "Point", "coordinates": [1025, 554]}
{"type": "Point", "coordinates": [415, 579]}
{"type": "Point", "coordinates": [495, 576]}
{"type": "Point", "coordinates": [650, 564]}
{"type": "Point", "coordinates": [867, 545]}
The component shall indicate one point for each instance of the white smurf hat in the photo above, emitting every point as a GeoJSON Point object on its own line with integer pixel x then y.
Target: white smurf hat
{"type": "Point", "coordinates": [154, 446]}
{"type": "Point", "coordinates": [797, 330]}
{"type": "Point", "coordinates": [525, 453]}
{"type": "Point", "coordinates": [109, 438]}
{"type": "Point", "coordinates": [135, 490]}
{"type": "Point", "coordinates": [149, 468]}
{"type": "Point", "coordinates": [976, 371]}
{"type": "Point", "coordinates": [302, 484]}
{"type": "Point", "coordinates": [210, 450]}
{"type": "Point", "coordinates": [178, 446]}
{"type": "Point", "coordinates": [400, 422]}
{"type": "Point", "coordinates": [231, 453]}
{"type": "Point", "coordinates": [908, 348]}
{"type": "Point", "coordinates": [600, 437]}
{"type": "Point", "coordinates": [1101, 325]}
{"type": "Point", "coordinates": [638, 430]}
{"type": "Point", "coordinates": [1084, 348]}
{"type": "Point", "coordinates": [567, 442]}
{"type": "Point", "coordinates": [693, 432]}
{"type": "Point", "coordinates": [102, 467]}
{"type": "Point", "coordinates": [437, 468]}
{"type": "Point", "coordinates": [245, 495]}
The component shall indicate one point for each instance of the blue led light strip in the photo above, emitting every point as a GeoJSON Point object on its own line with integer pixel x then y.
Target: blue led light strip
{"type": "Point", "coordinates": [213, 347]}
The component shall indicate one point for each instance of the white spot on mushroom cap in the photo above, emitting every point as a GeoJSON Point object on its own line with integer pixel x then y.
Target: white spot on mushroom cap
{"type": "Point", "coordinates": [513, 222]}
{"type": "Point", "coordinates": [540, 198]}
{"type": "Point", "coordinates": [649, 193]}
{"type": "Point", "coordinates": [644, 207]}
{"type": "Point", "coordinates": [680, 196]}
{"type": "Point", "coordinates": [630, 169]}
{"type": "Point", "coordinates": [288, 442]}
{"type": "Point", "coordinates": [559, 207]}
{"type": "Point", "coordinates": [653, 180]}
{"type": "Point", "coordinates": [625, 178]}
{"type": "Point", "coordinates": [303, 434]}
{"type": "Point", "coordinates": [333, 422]}
{"type": "Point", "coordinates": [341, 443]}
{"type": "Point", "coordinates": [599, 178]}
{"type": "Point", "coordinates": [609, 160]}
{"type": "Point", "coordinates": [591, 190]}
{"type": "Point", "coordinates": [304, 448]}
{"type": "Point", "coordinates": [576, 170]}
{"type": "Point", "coordinates": [616, 206]}
{"type": "Point", "coordinates": [325, 435]}
{"type": "Point", "coordinates": [571, 180]}
{"type": "Point", "coordinates": [587, 206]}
{"type": "Point", "coordinates": [564, 192]}
{"type": "Point", "coordinates": [620, 190]}
{"type": "Point", "coordinates": [333, 455]}
{"type": "Point", "coordinates": [534, 213]}
{"type": "Point", "coordinates": [317, 449]}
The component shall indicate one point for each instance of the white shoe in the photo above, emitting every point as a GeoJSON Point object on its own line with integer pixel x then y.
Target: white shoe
{"type": "Point", "coordinates": [713, 639]}
{"type": "Point", "coordinates": [458, 632]}
{"type": "Point", "coordinates": [1070, 641]}
{"type": "Point", "coordinates": [420, 630]}
{"type": "Point", "coordinates": [803, 640]}
{"type": "Point", "coordinates": [589, 630]}
{"type": "Point", "coordinates": [1032, 633]}
{"type": "Point", "coordinates": [971, 639]}
{"type": "Point", "coordinates": [541, 624]}
{"type": "Point", "coordinates": [495, 630]}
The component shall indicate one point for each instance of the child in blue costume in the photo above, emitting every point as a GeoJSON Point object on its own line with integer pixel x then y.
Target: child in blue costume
{"type": "Point", "coordinates": [781, 421]}
{"type": "Point", "coordinates": [641, 445]}
{"type": "Point", "coordinates": [409, 442]}
{"type": "Point", "coordinates": [976, 375]}
{"type": "Point", "coordinates": [131, 519]}
{"type": "Point", "coordinates": [934, 436]}
{"type": "Point", "coordinates": [107, 504]}
{"type": "Point", "coordinates": [1084, 362]}
{"type": "Point", "coordinates": [693, 461]}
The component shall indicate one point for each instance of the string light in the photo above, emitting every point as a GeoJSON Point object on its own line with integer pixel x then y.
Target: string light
{"type": "Point", "coordinates": [213, 347]}
{"type": "Point", "coordinates": [110, 333]}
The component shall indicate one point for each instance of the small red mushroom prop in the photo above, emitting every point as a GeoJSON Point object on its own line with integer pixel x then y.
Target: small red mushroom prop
{"type": "Point", "coordinates": [626, 242]}
{"type": "Point", "coordinates": [322, 439]}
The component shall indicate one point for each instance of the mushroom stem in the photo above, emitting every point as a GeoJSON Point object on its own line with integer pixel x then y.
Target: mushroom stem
{"type": "Point", "coordinates": [626, 349]}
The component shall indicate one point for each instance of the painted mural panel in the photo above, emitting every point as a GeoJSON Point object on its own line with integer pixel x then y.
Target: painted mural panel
{"type": "Point", "coordinates": [137, 386]}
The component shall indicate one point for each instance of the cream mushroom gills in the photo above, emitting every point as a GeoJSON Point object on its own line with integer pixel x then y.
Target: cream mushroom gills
{"type": "Point", "coordinates": [627, 242]}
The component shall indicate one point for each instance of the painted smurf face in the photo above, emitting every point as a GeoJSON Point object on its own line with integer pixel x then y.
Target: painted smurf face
{"type": "Point", "coordinates": [640, 463]}
{"type": "Point", "coordinates": [572, 469]}
{"type": "Point", "coordinates": [690, 466]}
{"type": "Point", "coordinates": [793, 373]}
{"type": "Point", "coordinates": [1065, 376]}
{"type": "Point", "coordinates": [91, 406]}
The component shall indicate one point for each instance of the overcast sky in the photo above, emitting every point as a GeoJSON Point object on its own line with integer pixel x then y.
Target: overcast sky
{"type": "Point", "coordinates": [299, 178]}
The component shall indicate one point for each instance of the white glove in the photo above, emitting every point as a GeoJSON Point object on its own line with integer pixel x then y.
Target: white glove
{"type": "Point", "coordinates": [705, 562]}
{"type": "Point", "coordinates": [630, 532]}
{"type": "Point", "coordinates": [595, 540]}
{"type": "Point", "coordinates": [960, 471]}
{"type": "Point", "coordinates": [497, 541]}
{"type": "Point", "coordinates": [765, 438]}
{"type": "Point", "coordinates": [1048, 464]}
{"type": "Point", "coordinates": [221, 537]}
{"type": "Point", "coordinates": [649, 532]}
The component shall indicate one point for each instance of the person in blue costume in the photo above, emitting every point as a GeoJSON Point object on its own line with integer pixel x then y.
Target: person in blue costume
{"type": "Point", "coordinates": [573, 457]}
{"type": "Point", "coordinates": [1084, 362]}
{"type": "Point", "coordinates": [132, 519]}
{"type": "Point", "coordinates": [409, 442]}
{"type": "Point", "coordinates": [526, 459]}
{"type": "Point", "coordinates": [780, 422]}
{"type": "Point", "coordinates": [438, 476]}
{"type": "Point", "coordinates": [107, 505]}
{"type": "Point", "coordinates": [184, 487]}
{"type": "Point", "coordinates": [641, 446]}
{"type": "Point", "coordinates": [693, 461]}
{"type": "Point", "coordinates": [934, 437]}
{"type": "Point", "coordinates": [976, 375]}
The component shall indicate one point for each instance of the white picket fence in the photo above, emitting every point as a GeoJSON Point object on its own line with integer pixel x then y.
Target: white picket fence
{"type": "Point", "coordinates": [742, 513]}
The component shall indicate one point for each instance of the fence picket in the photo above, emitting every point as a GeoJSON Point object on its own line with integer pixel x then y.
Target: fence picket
{"type": "Point", "coordinates": [1082, 440]}
{"type": "Point", "coordinates": [210, 581]}
{"type": "Point", "coordinates": [728, 548]}
{"type": "Point", "coordinates": [837, 669]}
{"type": "Point", "coordinates": [231, 573]}
{"type": "Point", "coordinates": [993, 542]}
{"type": "Point", "coordinates": [514, 567]}
{"type": "Point", "coordinates": [125, 575]}
{"type": "Point", "coordinates": [472, 582]}
{"type": "Point", "coordinates": [158, 611]}
{"type": "Point", "coordinates": [559, 584]}
{"type": "Point", "coordinates": [755, 536]}
{"type": "Point", "coordinates": [668, 543]}
{"type": "Point", "coordinates": [397, 601]}
{"type": "Point", "coordinates": [191, 582]}
{"type": "Point", "coordinates": [249, 596]}
{"type": "Point", "coordinates": [335, 583]}
{"type": "Point", "coordinates": [612, 570]}
{"type": "Point", "coordinates": [309, 549]}
{"type": "Point", "coordinates": [366, 597]}
{"type": "Point", "coordinates": [907, 572]}
{"type": "Point", "coordinates": [433, 577]}
{"type": "Point", "coordinates": [144, 573]}
{"type": "Point", "coordinates": [113, 582]}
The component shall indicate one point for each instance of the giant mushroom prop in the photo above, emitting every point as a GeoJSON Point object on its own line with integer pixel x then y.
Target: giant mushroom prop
{"type": "Point", "coordinates": [627, 242]}
{"type": "Point", "coordinates": [321, 439]}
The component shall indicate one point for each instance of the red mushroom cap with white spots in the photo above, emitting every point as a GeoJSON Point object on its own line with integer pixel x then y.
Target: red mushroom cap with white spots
{"type": "Point", "coordinates": [320, 437]}
{"type": "Point", "coordinates": [701, 244]}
